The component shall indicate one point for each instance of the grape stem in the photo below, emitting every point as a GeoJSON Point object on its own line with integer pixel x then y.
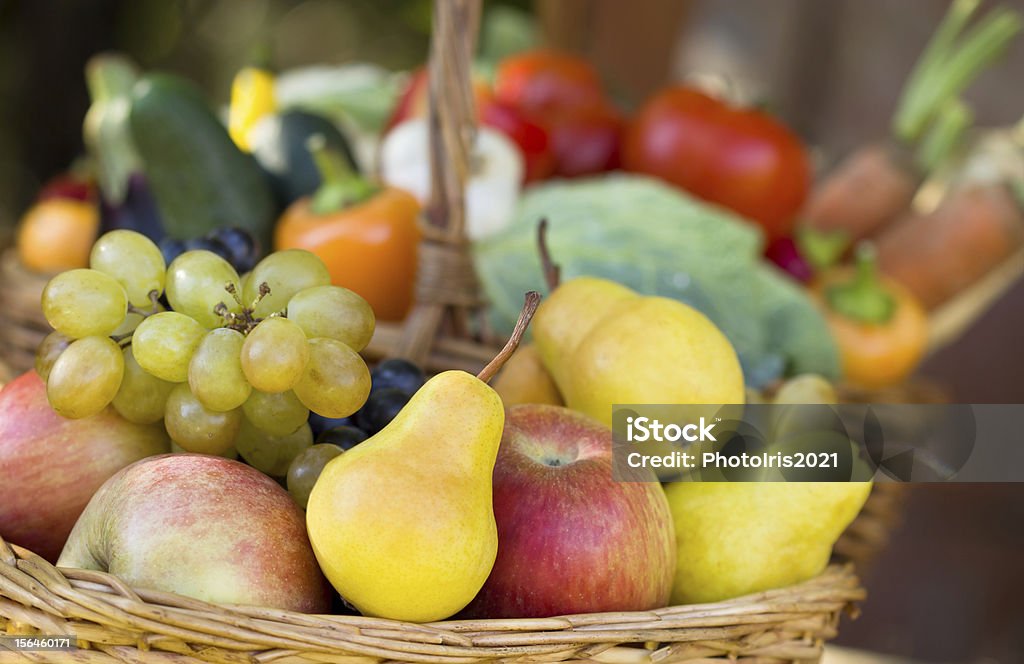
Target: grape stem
{"type": "Point", "coordinates": [525, 316]}
{"type": "Point", "coordinates": [244, 322]}
{"type": "Point", "coordinates": [154, 298]}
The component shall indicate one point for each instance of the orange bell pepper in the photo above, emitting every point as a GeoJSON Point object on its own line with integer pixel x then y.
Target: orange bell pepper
{"type": "Point", "coordinates": [368, 236]}
{"type": "Point", "coordinates": [880, 327]}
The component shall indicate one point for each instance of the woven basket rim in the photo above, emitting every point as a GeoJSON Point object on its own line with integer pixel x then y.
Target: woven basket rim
{"type": "Point", "coordinates": [105, 614]}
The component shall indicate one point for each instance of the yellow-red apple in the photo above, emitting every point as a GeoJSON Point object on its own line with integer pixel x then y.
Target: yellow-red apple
{"type": "Point", "coordinates": [201, 526]}
{"type": "Point", "coordinates": [50, 466]}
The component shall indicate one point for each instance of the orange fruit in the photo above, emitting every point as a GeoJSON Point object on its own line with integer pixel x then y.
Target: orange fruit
{"type": "Point", "coordinates": [57, 235]}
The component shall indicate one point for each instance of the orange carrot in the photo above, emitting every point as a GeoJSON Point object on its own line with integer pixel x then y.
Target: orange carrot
{"type": "Point", "coordinates": [876, 183]}
{"type": "Point", "coordinates": [940, 254]}
{"type": "Point", "coordinates": [868, 189]}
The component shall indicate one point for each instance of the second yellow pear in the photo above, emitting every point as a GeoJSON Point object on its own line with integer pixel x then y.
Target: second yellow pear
{"type": "Point", "coordinates": [605, 344]}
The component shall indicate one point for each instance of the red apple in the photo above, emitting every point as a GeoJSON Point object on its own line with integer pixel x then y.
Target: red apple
{"type": "Point", "coordinates": [204, 527]}
{"type": "Point", "coordinates": [52, 466]}
{"type": "Point", "coordinates": [571, 539]}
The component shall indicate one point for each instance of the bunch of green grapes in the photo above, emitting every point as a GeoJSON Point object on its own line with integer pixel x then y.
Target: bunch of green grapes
{"type": "Point", "coordinates": [232, 363]}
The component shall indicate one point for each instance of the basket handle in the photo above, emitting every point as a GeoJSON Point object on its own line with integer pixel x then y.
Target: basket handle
{"type": "Point", "coordinates": [447, 289]}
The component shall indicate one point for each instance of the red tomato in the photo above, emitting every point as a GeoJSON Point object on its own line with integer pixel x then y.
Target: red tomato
{"type": "Point", "coordinates": [743, 159]}
{"type": "Point", "coordinates": [542, 80]}
{"type": "Point", "coordinates": [531, 138]}
{"type": "Point", "coordinates": [585, 140]}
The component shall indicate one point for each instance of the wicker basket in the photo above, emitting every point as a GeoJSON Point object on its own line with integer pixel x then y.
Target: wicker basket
{"type": "Point", "coordinates": [24, 325]}
{"type": "Point", "coordinates": [114, 623]}
{"type": "Point", "coordinates": [111, 622]}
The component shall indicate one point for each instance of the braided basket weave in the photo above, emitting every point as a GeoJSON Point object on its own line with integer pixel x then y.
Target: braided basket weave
{"type": "Point", "coordinates": [110, 622]}
{"type": "Point", "coordinates": [114, 623]}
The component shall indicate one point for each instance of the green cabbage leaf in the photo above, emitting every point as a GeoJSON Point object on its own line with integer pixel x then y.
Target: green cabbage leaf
{"type": "Point", "coordinates": [660, 241]}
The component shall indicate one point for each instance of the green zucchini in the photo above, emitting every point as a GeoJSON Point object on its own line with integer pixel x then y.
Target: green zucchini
{"type": "Point", "coordinates": [279, 143]}
{"type": "Point", "coordinates": [200, 179]}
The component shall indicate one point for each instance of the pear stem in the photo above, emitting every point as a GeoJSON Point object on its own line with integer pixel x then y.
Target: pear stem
{"type": "Point", "coordinates": [525, 316]}
{"type": "Point", "coordinates": [552, 272]}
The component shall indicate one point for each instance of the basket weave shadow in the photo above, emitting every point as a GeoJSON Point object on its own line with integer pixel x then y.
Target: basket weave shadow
{"type": "Point", "coordinates": [114, 623]}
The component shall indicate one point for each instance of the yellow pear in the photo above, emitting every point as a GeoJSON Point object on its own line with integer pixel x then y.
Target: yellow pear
{"type": "Point", "coordinates": [524, 379]}
{"type": "Point", "coordinates": [568, 314]}
{"type": "Point", "coordinates": [652, 350]}
{"type": "Point", "coordinates": [744, 537]}
{"type": "Point", "coordinates": [605, 344]}
{"type": "Point", "coordinates": [403, 524]}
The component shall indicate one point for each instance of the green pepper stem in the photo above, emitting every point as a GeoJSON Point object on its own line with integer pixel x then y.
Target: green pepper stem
{"type": "Point", "coordinates": [863, 298]}
{"type": "Point", "coordinates": [339, 187]}
{"type": "Point", "coordinates": [822, 249]}
{"type": "Point", "coordinates": [950, 62]}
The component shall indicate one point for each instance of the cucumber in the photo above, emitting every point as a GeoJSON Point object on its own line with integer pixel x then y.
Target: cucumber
{"type": "Point", "coordinates": [279, 145]}
{"type": "Point", "coordinates": [200, 179]}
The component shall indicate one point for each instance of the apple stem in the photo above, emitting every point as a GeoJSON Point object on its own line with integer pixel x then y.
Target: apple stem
{"type": "Point", "coordinates": [525, 316]}
{"type": "Point", "coordinates": [552, 272]}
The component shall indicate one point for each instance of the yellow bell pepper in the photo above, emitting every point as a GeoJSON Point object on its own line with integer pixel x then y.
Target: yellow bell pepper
{"type": "Point", "coordinates": [252, 98]}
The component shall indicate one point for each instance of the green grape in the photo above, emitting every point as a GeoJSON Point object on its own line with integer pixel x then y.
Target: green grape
{"type": "Point", "coordinates": [128, 325]}
{"type": "Point", "coordinates": [84, 303]}
{"type": "Point", "coordinates": [48, 351]}
{"type": "Point", "coordinates": [215, 372]}
{"type": "Point", "coordinates": [274, 355]}
{"type": "Point", "coordinates": [285, 273]}
{"type": "Point", "coordinates": [806, 388]}
{"type": "Point", "coordinates": [134, 261]}
{"type": "Point", "coordinates": [271, 454]}
{"type": "Point", "coordinates": [230, 453]}
{"type": "Point", "coordinates": [142, 398]}
{"type": "Point", "coordinates": [277, 413]}
{"type": "Point", "coordinates": [163, 344]}
{"type": "Point", "coordinates": [336, 381]}
{"type": "Point", "coordinates": [335, 313]}
{"type": "Point", "coordinates": [305, 469]}
{"type": "Point", "coordinates": [197, 281]}
{"type": "Point", "coordinates": [196, 428]}
{"type": "Point", "coordinates": [85, 378]}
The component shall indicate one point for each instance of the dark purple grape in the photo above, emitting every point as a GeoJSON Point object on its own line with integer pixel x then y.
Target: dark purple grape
{"type": "Point", "coordinates": [319, 423]}
{"type": "Point", "coordinates": [345, 437]}
{"type": "Point", "coordinates": [380, 408]}
{"type": "Point", "coordinates": [243, 248]}
{"type": "Point", "coordinates": [397, 373]}
{"type": "Point", "coordinates": [208, 244]}
{"type": "Point", "coordinates": [171, 248]}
